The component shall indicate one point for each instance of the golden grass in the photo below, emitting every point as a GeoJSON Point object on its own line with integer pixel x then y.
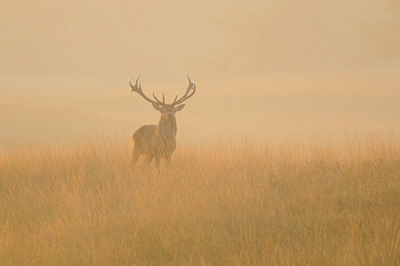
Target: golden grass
{"type": "Point", "coordinates": [318, 202]}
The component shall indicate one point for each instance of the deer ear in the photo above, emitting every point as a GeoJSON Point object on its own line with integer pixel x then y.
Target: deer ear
{"type": "Point", "coordinates": [157, 107]}
{"type": "Point", "coordinates": [179, 107]}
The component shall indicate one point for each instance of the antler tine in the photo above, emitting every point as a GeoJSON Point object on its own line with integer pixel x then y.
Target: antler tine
{"type": "Point", "coordinates": [163, 98]}
{"type": "Point", "coordinates": [158, 101]}
{"type": "Point", "coordinates": [137, 80]}
{"type": "Point", "coordinates": [138, 89]}
{"type": "Point", "coordinates": [176, 96]}
{"type": "Point", "coordinates": [191, 86]}
{"type": "Point", "coordinates": [133, 88]}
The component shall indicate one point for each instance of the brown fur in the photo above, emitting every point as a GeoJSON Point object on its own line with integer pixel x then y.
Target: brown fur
{"type": "Point", "coordinates": [155, 141]}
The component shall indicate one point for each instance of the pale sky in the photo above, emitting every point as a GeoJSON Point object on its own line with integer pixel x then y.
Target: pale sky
{"type": "Point", "coordinates": [213, 39]}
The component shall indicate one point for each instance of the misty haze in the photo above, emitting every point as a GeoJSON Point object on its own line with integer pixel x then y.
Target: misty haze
{"type": "Point", "coordinates": [288, 153]}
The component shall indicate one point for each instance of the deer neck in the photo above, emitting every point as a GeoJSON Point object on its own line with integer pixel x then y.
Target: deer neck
{"type": "Point", "coordinates": [166, 129]}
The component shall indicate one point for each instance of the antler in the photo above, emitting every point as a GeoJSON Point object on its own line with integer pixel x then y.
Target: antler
{"type": "Point", "coordinates": [138, 89]}
{"type": "Point", "coordinates": [160, 102]}
{"type": "Point", "coordinates": [191, 86]}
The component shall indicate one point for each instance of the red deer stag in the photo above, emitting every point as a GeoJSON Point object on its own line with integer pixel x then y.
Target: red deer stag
{"type": "Point", "coordinates": [158, 141]}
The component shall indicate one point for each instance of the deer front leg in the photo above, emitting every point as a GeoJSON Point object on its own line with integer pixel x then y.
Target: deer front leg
{"type": "Point", "coordinates": [168, 160]}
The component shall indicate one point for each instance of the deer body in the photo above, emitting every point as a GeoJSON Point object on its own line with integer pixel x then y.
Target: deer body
{"type": "Point", "coordinates": [154, 141]}
{"type": "Point", "coordinates": [158, 141]}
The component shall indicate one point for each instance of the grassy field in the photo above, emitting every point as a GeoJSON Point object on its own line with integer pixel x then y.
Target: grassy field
{"type": "Point", "coordinates": [301, 201]}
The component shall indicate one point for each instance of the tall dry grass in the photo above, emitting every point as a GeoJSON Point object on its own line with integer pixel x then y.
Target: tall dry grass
{"type": "Point", "coordinates": [315, 201]}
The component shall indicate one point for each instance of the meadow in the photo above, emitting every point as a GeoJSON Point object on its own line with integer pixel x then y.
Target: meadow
{"type": "Point", "coordinates": [300, 201]}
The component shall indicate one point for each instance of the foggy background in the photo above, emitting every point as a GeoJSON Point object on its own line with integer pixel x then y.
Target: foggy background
{"type": "Point", "coordinates": [262, 68]}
